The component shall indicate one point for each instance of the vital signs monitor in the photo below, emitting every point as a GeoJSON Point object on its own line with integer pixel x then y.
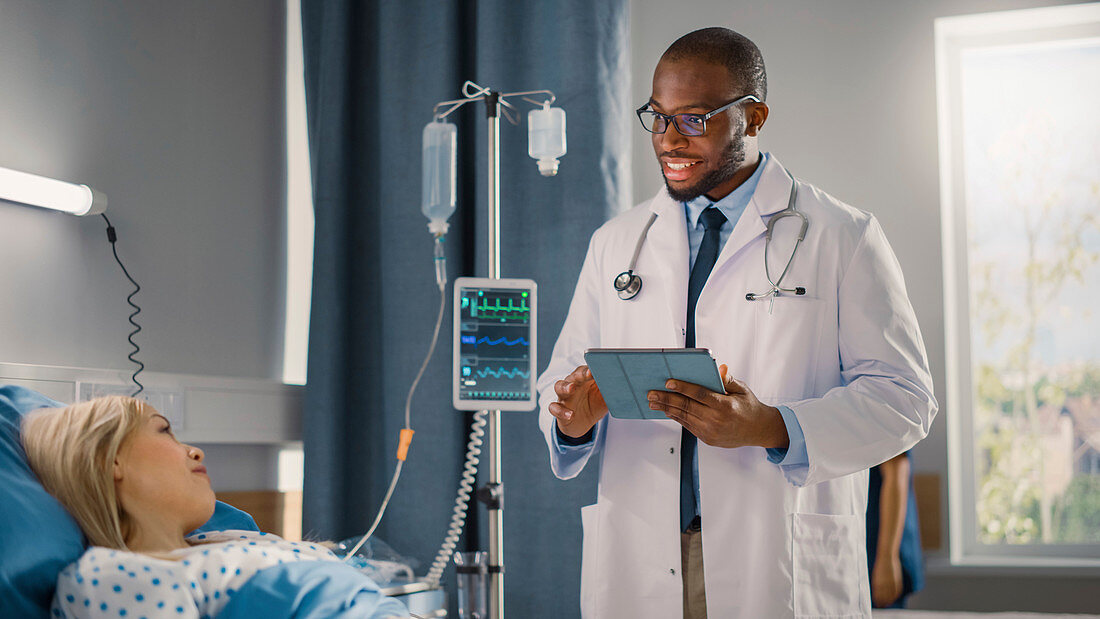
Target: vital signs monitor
{"type": "Point", "coordinates": [494, 344]}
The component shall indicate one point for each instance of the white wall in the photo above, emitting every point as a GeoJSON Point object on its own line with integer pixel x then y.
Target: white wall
{"type": "Point", "coordinates": [852, 92]}
{"type": "Point", "coordinates": [175, 111]}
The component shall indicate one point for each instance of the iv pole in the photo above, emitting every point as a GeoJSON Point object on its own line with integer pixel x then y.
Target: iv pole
{"type": "Point", "coordinates": [492, 494]}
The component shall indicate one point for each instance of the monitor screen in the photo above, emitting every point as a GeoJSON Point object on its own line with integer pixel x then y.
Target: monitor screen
{"type": "Point", "coordinates": [494, 347]}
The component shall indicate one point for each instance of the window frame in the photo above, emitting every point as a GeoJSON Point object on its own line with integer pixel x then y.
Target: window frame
{"type": "Point", "coordinates": [954, 36]}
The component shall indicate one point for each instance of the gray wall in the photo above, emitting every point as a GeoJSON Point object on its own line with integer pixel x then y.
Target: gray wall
{"type": "Point", "coordinates": [175, 111]}
{"type": "Point", "coordinates": [852, 91]}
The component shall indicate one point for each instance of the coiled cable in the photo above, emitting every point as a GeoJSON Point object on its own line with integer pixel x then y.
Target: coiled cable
{"type": "Point", "coordinates": [112, 236]}
{"type": "Point", "coordinates": [462, 501]}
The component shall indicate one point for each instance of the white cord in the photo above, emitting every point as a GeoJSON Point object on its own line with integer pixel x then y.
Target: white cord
{"type": "Point", "coordinates": [381, 510]}
{"type": "Point", "coordinates": [408, 400]}
{"type": "Point", "coordinates": [473, 449]}
{"type": "Point", "coordinates": [458, 519]}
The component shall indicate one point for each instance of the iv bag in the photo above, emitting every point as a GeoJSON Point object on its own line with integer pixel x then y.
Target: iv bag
{"type": "Point", "coordinates": [546, 137]}
{"type": "Point", "coordinates": [438, 187]}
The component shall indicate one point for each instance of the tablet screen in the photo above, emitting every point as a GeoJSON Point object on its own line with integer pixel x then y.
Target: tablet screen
{"type": "Point", "coordinates": [494, 344]}
{"type": "Point", "coordinates": [625, 376]}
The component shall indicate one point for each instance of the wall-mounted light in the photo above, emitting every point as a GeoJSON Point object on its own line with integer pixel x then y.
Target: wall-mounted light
{"type": "Point", "coordinates": [50, 193]}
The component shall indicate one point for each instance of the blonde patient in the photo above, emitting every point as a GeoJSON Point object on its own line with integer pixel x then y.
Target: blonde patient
{"type": "Point", "coordinates": [117, 468]}
{"type": "Point", "coordinates": [131, 486]}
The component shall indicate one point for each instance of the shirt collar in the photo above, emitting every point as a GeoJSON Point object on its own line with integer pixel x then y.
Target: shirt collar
{"type": "Point", "coordinates": [733, 204]}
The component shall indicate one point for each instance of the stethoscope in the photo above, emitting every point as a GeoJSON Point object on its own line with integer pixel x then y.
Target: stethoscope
{"type": "Point", "coordinates": [628, 283]}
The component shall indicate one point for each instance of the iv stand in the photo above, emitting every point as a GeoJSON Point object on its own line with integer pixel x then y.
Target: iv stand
{"type": "Point", "coordinates": [493, 493]}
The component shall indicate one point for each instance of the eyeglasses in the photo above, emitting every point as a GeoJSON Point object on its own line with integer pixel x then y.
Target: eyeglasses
{"type": "Point", "coordinates": [691, 125]}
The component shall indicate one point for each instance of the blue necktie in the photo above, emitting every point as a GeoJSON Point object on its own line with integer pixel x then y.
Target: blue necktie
{"type": "Point", "coordinates": [712, 219]}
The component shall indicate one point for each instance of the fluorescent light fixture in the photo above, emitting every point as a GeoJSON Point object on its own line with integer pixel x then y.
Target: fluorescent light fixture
{"type": "Point", "coordinates": [50, 193]}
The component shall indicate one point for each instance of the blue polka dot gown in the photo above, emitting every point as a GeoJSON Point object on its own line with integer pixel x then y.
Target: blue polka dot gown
{"type": "Point", "coordinates": [194, 582]}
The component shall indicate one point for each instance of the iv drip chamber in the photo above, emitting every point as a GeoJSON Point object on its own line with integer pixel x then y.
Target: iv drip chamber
{"type": "Point", "coordinates": [546, 137]}
{"type": "Point", "coordinates": [438, 187]}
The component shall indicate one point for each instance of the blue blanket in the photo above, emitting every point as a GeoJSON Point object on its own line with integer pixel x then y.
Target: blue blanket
{"type": "Point", "coordinates": [233, 574]}
{"type": "Point", "coordinates": [311, 590]}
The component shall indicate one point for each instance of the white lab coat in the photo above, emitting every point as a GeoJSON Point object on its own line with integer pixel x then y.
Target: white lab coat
{"type": "Point", "coordinates": [847, 358]}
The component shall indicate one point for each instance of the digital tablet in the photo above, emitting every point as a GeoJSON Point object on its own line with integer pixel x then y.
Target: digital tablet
{"type": "Point", "coordinates": [626, 375]}
{"type": "Point", "coordinates": [495, 322]}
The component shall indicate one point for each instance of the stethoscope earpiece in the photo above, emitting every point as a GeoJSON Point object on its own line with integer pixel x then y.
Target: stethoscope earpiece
{"type": "Point", "coordinates": [777, 285]}
{"type": "Point", "coordinates": [775, 292]}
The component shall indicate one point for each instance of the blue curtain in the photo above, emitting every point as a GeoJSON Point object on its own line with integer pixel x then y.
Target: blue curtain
{"type": "Point", "coordinates": [373, 72]}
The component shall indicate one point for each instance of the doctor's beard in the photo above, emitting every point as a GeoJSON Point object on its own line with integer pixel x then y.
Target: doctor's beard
{"type": "Point", "coordinates": [732, 158]}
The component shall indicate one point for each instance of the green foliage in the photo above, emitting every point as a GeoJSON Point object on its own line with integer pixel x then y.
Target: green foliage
{"type": "Point", "coordinates": [1009, 463]}
{"type": "Point", "coordinates": [1080, 511]}
{"type": "Point", "coordinates": [1050, 392]}
{"type": "Point", "coordinates": [1084, 382]}
{"type": "Point", "coordinates": [992, 392]}
{"type": "Point", "coordinates": [1008, 493]}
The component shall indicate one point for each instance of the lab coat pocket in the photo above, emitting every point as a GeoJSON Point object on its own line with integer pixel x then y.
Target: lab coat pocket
{"type": "Point", "coordinates": [590, 523]}
{"type": "Point", "coordinates": [829, 580]}
{"type": "Point", "coordinates": [787, 337]}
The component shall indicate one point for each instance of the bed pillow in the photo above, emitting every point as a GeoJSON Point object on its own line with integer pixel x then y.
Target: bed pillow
{"type": "Point", "coordinates": [37, 536]}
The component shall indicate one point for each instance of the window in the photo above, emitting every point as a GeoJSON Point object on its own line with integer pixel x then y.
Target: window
{"type": "Point", "coordinates": [1020, 191]}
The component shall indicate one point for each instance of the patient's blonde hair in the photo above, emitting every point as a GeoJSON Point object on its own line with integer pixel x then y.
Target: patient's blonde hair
{"type": "Point", "coordinates": [72, 451]}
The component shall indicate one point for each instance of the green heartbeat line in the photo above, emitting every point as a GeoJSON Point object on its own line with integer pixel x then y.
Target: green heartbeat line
{"type": "Point", "coordinates": [497, 307]}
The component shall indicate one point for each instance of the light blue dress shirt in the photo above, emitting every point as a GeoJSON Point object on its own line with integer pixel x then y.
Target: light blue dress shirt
{"type": "Point", "coordinates": [793, 457]}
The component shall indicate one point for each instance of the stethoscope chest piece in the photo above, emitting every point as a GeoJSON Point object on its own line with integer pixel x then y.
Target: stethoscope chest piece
{"type": "Point", "coordinates": [627, 285]}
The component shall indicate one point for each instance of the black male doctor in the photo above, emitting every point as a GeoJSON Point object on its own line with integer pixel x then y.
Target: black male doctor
{"type": "Point", "coordinates": [749, 503]}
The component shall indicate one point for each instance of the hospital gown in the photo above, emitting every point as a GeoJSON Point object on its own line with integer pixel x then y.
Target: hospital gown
{"type": "Point", "coordinates": [189, 582]}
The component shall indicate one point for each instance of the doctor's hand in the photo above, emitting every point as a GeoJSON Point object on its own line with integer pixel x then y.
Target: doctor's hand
{"type": "Point", "coordinates": [580, 404]}
{"type": "Point", "coordinates": [731, 419]}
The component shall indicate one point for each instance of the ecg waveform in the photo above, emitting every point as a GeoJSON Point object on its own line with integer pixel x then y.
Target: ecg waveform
{"type": "Point", "coordinates": [473, 339]}
{"type": "Point", "coordinates": [485, 372]}
{"type": "Point", "coordinates": [501, 307]}
{"type": "Point", "coordinates": [494, 305]}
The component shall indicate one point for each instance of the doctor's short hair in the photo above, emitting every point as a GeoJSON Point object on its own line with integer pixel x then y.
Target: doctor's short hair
{"type": "Point", "coordinates": [722, 46]}
{"type": "Point", "coordinates": [72, 451]}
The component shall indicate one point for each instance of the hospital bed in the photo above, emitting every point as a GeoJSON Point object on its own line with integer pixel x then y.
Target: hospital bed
{"type": "Point", "coordinates": [38, 538]}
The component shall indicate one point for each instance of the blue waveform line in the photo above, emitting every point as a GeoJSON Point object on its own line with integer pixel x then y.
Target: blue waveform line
{"type": "Point", "coordinates": [502, 372]}
{"type": "Point", "coordinates": [507, 342]}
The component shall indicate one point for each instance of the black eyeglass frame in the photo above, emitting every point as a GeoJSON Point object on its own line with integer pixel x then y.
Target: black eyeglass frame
{"type": "Point", "coordinates": [673, 118]}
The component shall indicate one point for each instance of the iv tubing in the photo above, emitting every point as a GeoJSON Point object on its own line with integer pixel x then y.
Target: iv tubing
{"type": "Point", "coordinates": [406, 432]}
